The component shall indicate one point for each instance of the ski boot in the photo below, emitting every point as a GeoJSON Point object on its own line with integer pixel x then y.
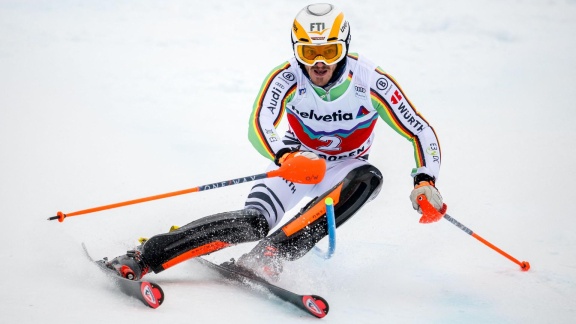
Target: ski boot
{"type": "Point", "coordinates": [129, 266]}
{"type": "Point", "coordinates": [264, 260]}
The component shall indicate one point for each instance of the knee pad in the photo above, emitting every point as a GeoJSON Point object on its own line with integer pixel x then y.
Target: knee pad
{"type": "Point", "coordinates": [360, 186]}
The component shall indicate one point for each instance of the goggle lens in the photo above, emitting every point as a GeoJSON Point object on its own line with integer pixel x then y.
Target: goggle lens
{"type": "Point", "coordinates": [329, 53]}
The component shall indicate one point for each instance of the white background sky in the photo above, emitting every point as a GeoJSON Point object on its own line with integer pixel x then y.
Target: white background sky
{"type": "Point", "coordinates": [105, 101]}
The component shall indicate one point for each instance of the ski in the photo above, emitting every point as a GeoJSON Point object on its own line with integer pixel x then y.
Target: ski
{"type": "Point", "coordinates": [312, 304]}
{"type": "Point", "coordinates": [147, 292]}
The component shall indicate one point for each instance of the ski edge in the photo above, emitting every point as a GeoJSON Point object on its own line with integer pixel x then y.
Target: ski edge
{"type": "Point", "coordinates": [312, 304]}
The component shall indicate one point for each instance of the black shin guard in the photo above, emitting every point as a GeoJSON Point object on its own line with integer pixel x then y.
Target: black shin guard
{"type": "Point", "coordinates": [358, 187]}
{"type": "Point", "coordinates": [204, 236]}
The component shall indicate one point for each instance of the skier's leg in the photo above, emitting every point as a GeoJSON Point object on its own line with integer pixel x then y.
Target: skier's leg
{"type": "Point", "coordinates": [203, 236]}
{"type": "Point", "coordinates": [265, 206]}
{"type": "Point", "coordinates": [360, 185]}
{"type": "Point", "coordinates": [274, 196]}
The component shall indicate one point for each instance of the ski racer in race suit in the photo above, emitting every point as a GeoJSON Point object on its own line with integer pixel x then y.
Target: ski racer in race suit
{"type": "Point", "coordinates": [332, 100]}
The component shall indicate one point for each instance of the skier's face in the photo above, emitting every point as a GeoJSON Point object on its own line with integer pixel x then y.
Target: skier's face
{"type": "Point", "coordinates": [320, 73]}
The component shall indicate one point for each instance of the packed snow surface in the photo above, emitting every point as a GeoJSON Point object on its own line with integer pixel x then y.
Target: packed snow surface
{"type": "Point", "coordinates": [107, 101]}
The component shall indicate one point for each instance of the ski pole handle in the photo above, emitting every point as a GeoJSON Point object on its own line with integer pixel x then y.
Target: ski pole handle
{"type": "Point", "coordinates": [299, 170]}
{"type": "Point", "coordinates": [430, 214]}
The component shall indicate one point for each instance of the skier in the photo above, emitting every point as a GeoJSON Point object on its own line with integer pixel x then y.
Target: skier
{"type": "Point", "coordinates": [332, 100]}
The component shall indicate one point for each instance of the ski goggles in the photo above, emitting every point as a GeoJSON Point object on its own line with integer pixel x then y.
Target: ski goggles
{"type": "Point", "coordinates": [330, 53]}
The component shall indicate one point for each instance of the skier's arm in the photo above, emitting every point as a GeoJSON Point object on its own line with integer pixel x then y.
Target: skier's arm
{"type": "Point", "coordinates": [268, 109]}
{"type": "Point", "coordinates": [394, 107]}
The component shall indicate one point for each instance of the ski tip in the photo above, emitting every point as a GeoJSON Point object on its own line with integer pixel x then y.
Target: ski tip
{"type": "Point", "coordinates": [315, 305]}
{"type": "Point", "coordinates": [152, 294]}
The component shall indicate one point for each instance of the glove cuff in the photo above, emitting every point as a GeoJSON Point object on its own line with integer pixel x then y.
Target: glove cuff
{"type": "Point", "coordinates": [281, 153]}
{"type": "Point", "coordinates": [423, 177]}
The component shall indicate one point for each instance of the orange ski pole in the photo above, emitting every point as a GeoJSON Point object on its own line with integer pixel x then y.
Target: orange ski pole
{"type": "Point", "coordinates": [430, 214]}
{"type": "Point", "coordinates": [298, 169]}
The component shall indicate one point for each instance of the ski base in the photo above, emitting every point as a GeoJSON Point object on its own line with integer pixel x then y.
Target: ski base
{"type": "Point", "coordinates": [312, 304]}
{"type": "Point", "coordinates": [149, 293]}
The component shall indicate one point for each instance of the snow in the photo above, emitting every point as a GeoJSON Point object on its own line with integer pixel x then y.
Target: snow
{"type": "Point", "coordinates": [106, 101]}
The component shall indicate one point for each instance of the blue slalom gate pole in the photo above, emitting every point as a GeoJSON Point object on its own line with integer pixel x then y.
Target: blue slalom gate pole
{"type": "Point", "coordinates": [331, 231]}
